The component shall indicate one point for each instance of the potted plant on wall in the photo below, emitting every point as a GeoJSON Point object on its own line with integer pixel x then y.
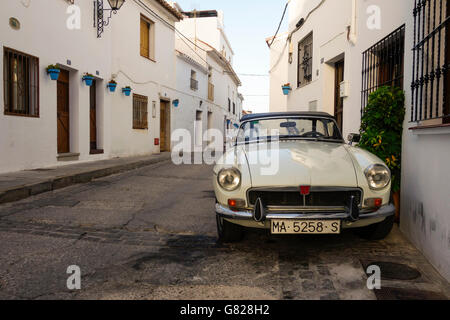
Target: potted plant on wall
{"type": "Point", "coordinates": [112, 85]}
{"type": "Point", "coordinates": [88, 79]}
{"type": "Point", "coordinates": [286, 88]}
{"type": "Point", "coordinates": [381, 132]}
{"type": "Point", "coordinates": [53, 70]}
{"type": "Point", "coordinates": [127, 90]}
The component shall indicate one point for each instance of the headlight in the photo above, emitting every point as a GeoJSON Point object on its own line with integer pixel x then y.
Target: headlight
{"type": "Point", "coordinates": [229, 179]}
{"type": "Point", "coordinates": [378, 176]}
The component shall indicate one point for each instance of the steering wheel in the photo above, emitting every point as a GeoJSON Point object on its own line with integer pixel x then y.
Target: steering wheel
{"type": "Point", "coordinates": [313, 134]}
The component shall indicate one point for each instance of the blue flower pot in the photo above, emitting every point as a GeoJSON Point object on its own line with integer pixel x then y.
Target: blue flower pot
{"type": "Point", "coordinates": [54, 73]}
{"type": "Point", "coordinates": [176, 103]}
{"type": "Point", "coordinates": [126, 91]}
{"type": "Point", "coordinates": [112, 87]}
{"type": "Point", "coordinates": [286, 90]}
{"type": "Point", "coordinates": [88, 80]}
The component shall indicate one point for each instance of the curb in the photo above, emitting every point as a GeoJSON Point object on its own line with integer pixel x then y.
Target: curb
{"type": "Point", "coordinates": [25, 191]}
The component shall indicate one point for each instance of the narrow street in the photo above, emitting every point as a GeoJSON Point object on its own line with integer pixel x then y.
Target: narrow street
{"type": "Point", "coordinates": [150, 234]}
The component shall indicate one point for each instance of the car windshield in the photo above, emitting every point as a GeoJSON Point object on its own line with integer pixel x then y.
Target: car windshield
{"type": "Point", "coordinates": [289, 128]}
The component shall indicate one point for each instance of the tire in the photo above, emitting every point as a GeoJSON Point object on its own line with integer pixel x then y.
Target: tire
{"type": "Point", "coordinates": [377, 231]}
{"type": "Point", "coordinates": [228, 232]}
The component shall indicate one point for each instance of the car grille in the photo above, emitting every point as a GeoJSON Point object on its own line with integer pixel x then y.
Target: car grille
{"type": "Point", "coordinates": [293, 198]}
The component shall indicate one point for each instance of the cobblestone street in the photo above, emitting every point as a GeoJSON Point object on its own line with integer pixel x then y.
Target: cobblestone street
{"type": "Point", "coordinates": [150, 234]}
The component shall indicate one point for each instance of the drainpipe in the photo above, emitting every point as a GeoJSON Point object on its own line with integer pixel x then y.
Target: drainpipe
{"type": "Point", "coordinates": [352, 32]}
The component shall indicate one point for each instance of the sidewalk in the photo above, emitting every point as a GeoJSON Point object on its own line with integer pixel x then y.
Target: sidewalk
{"type": "Point", "coordinates": [15, 186]}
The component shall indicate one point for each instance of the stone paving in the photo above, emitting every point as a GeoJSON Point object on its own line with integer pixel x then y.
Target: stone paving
{"type": "Point", "coordinates": [150, 234]}
{"type": "Point", "coordinates": [19, 185]}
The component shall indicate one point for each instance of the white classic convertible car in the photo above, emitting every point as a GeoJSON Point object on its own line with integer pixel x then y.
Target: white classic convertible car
{"type": "Point", "coordinates": [293, 173]}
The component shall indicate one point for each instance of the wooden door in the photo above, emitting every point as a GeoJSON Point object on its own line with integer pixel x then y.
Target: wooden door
{"type": "Point", "coordinates": [63, 118]}
{"type": "Point", "coordinates": [93, 117]}
{"type": "Point", "coordinates": [338, 101]}
{"type": "Point", "coordinates": [163, 127]}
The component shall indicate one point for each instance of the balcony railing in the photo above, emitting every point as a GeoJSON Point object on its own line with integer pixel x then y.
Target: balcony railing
{"type": "Point", "coordinates": [210, 91]}
{"type": "Point", "coordinates": [194, 84]}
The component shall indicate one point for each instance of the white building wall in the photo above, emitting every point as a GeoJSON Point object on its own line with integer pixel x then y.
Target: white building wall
{"type": "Point", "coordinates": [224, 86]}
{"type": "Point", "coordinates": [207, 39]}
{"type": "Point", "coordinates": [279, 53]}
{"type": "Point", "coordinates": [185, 114]}
{"type": "Point", "coordinates": [329, 46]}
{"type": "Point", "coordinates": [393, 15]}
{"type": "Point", "coordinates": [210, 30]}
{"type": "Point", "coordinates": [155, 79]}
{"type": "Point", "coordinates": [240, 103]}
{"type": "Point", "coordinates": [191, 100]}
{"type": "Point", "coordinates": [27, 143]}
{"type": "Point", "coordinates": [425, 189]}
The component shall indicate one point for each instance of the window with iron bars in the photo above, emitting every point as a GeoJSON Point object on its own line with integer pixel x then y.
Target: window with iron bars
{"type": "Point", "coordinates": [305, 61]}
{"type": "Point", "coordinates": [20, 83]}
{"type": "Point", "coordinates": [383, 64]}
{"type": "Point", "coordinates": [140, 114]}
{"type": "Point", "coordinates": [431, 62]}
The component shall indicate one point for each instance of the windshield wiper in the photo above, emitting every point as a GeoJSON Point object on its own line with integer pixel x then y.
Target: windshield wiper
{"type": "Point", "coordinates": [321, 139]}
{"type": "Point", "coordinates": [329, 140]}
{"type": "Point", "coordinates": [287, 136]}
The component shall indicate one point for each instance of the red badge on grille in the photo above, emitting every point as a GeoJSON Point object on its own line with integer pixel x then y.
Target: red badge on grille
{"type": "Point", "coordinates": [304, 190]}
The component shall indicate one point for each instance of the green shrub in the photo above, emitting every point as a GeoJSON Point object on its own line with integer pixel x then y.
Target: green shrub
{"type": "Point", "coordinates": [52, 66]}
{"type": "Point", "coordinates": [382, 128]}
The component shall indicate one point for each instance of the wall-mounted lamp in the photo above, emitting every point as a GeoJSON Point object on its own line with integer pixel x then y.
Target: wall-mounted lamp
{"type": "Point", "coordinates": [99, 19]}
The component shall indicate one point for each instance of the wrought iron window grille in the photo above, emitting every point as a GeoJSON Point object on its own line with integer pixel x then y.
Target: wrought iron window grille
{"type": "Point", "coordinates": [305, 61]}
{"type": "Point", "coordinates": [383, 64]}
{"type": "Point", "coordinates": [430, 84]}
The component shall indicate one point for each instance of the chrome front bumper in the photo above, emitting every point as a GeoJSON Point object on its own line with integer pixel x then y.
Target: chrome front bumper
{"type": "Point", "coordinates": [225, 212]}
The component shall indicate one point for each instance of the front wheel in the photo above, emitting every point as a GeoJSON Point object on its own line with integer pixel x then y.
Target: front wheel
{"type": "Point", "coordinates": [227, 231]}
{"type": "Point", "coordinates": [377, 231]}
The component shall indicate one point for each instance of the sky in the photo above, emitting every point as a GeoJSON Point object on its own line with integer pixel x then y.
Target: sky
{"type": "Point", "coordinates": [247, 24]}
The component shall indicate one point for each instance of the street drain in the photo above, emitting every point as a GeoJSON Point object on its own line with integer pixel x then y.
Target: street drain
{"type": "Point", "coordinates": [394, 271]}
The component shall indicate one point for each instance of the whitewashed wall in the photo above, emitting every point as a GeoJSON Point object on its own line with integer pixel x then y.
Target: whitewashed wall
{"type": "Point", "coordinates": [154, 79]}
{"type": "Point", "coordinates": [191, 100]}
{"type": "Point", "coordinates": [329, 45]}
{"type": "Point", "coordinates": [27, 143]}
{"type": "Point", "coordinates": [210, 30]}
{"type": "Point", "coordinates": [393, 15]}
{"type": "Point", "coordinates": [279, 52]}
{"type": "Point", "coordinates": [425, 193]}
{"type": "Point", "coordinates": [208, 34]}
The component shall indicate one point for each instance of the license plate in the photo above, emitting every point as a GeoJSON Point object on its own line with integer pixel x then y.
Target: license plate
{"type": "Point", "coordinates": [305, 226]}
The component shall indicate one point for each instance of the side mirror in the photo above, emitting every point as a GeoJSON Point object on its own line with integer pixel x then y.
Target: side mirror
{"type": "Point", "coordinates": [353, 138]}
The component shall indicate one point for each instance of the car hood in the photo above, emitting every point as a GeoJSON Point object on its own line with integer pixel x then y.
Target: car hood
{"type": "Point", "coordinates": [300, 162]}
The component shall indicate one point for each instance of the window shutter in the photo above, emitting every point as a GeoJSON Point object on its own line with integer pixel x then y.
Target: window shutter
{"type": "Point", "coordinates": [145, 38]}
